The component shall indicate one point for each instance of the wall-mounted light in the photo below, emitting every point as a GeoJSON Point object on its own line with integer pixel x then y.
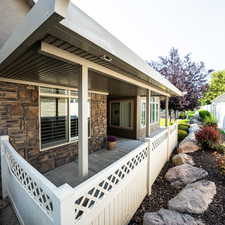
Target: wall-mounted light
{"type": "Point", "coordinates": [106, 58]}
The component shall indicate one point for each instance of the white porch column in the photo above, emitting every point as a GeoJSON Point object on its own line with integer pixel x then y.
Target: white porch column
{"type": "Point", "coordinates": [83, 122]}
{"type": "Point", "coordinates": [167, 112]}
{"type": "Point", "coordinates": [148, 113]}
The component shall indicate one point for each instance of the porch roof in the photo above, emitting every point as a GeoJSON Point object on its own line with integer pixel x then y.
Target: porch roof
{"type": "Point", "coordinates": [63, 21]}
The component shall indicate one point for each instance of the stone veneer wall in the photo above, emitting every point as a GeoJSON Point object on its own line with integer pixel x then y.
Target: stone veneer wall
{"type": "Point", "coordinates": [19, 119]}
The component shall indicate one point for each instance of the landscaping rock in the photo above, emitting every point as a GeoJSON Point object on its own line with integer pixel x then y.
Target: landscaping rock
{"type": "Point", "coordinates": [187, 147]}
{"type": "Point", "coordinates": [190, 138]}
{"type": "Point", "coordinates": [168, 217]}
{"type": "Point", "coordinates": [182, 158]}
{"type": "Point", "coordinates": [3, 204]}
{"type": "Point", "coordinates": [184, 174]}
{"type": "Point", "coordinates": [195, 121]}
{"type": "Point", "coordinates": [194, 128]}
{"type": "Point", "coordinates": [194, 198]}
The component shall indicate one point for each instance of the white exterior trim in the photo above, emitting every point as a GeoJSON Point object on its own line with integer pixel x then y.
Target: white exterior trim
{"type": "Point", "coordinates": [2, 79]}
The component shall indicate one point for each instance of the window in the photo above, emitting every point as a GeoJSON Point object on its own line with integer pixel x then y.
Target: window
{"type": "Point", "coordinates": [121, 114]}
{"type": "Point", "coordinates": [143, 113]}
{"type": "Point", "coordinates": [154, 113]}
{"type": "Point", "coordinates": [59, 116]}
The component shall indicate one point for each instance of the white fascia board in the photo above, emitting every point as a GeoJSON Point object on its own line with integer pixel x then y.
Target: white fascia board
{"type": "Point", "coordinates": [80, 23]}
{"type": "Point", "coordinates": [35, 24]}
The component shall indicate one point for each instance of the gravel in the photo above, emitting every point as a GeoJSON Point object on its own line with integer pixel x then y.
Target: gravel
{"type": "Point", "coordinates": [162, 192]}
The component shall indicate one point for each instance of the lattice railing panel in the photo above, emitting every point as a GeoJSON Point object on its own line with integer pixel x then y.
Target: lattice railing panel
{"type": "Point", "coordinates": [156, 143]}
{"type": "Point", "coordinates": [96, 193]}
{"type": "Point", "coordinates": [29, 184]}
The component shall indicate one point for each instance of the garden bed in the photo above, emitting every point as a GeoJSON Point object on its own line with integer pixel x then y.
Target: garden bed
{"type": "Point", "coordinates": [162, 192]}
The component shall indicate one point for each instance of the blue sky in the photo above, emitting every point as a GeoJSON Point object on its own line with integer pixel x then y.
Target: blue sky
{"type": "Point", "coordinates": [152, 27]}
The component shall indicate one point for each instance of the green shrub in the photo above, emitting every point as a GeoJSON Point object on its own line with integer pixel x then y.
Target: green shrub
{"type": "Point", "coordinates": [182, 134]}
{"type": "Point", "coordinates": [184, 127]}
{"type": "Point", "coordinates": [190, 114]}
{"type": "Point", "coordinates": [204, 114]}
{"type": "Point", "coordinates": [210, 121]}
{"type": "Point", "coordinates": [222, 132]}
{"type": "Point", "coordinates": [182, 115]}
{"type": "Point", "coordinates": [186, 121]}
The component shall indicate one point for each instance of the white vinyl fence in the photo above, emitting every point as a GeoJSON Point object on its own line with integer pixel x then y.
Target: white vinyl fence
{"type": "Point", "coordinates": [218, 110]}
{"type": "Point", "coordinates": [110, 197]}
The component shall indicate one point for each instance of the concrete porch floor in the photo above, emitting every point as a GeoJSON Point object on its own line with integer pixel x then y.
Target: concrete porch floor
{"type": "Point", "coordinates": [98, 160]}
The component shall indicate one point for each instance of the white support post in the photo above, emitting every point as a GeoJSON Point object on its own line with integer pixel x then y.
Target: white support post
{"type": "Point", "coordinates": [4, 170]}
{"type": "Point", "coordinates": [167, 112]}
{"type": "Point", "coordinates": [63, 213]}
{"type": "Point", "coordinates": [83, 122]}
{"type": "Point", "coordinates": [148, 97]}
{"type": "Point", "coordinates": [167, 126]}
{"type": "Point", "coordinates": [149, 187]}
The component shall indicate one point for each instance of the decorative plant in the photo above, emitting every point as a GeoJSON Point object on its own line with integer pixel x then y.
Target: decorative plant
{"type": "Point", "coordinates": [182, 134]}
{"type": "Point", "coordinates": [210, 121]}
{"type": "Point", "coordinates": [183, 127]}
{"type": "Point", "coordinates": [190, 114]}
{"type": "Point", "coordinates": [204, 114]}
{"type": "Point", "coordinates": [182, 115]}
{"type": "Point", "coordinates": [208, 137]}
{"type": "Point", "coordinates": [111, 139]}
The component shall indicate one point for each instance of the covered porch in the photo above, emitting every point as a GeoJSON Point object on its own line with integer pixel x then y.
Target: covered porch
{"type": "Point", "coordinates": [55, 59]}
{"type": "Point", "coordinates": [110, 195]}
{"type": "Point", "coordinates": [98, 161]}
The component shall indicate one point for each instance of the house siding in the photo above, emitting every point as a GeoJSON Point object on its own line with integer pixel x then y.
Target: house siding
{"type": "Point", "coordinates": [19, 112]}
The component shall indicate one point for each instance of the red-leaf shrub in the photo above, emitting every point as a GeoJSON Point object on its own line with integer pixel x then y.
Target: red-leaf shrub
{"type": "Point", "coordinates": [208, 137]}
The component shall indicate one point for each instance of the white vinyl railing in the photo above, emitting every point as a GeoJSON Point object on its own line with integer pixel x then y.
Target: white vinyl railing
{"type": "Point", "coordinates": [161, 147]}
{"type": "Point", "coordinates": [110, 197]}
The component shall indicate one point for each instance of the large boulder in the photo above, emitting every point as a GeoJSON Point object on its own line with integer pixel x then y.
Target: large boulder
{"type": "Point", "coordinates": [190, 138]}
{"type": "Point", "coordinates": [194, 198]}
{"type": "Point", "coordinates": [182, 158]}
{"type": "Point", "coordinates": [187, 147]}
{"type": "Point", "coordinates": [168, 217]}
{"type": "Point", "coordinates": [194, 128]}
{"type": "Point", "coordinates": [184, 174]}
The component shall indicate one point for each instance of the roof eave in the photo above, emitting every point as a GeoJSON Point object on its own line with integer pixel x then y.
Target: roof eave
{"type": "Point", "coordinates": [43, 15]}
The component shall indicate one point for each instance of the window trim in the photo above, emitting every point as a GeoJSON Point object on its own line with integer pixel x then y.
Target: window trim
{"type": "Point", "coordinates": [132, 114]}
{"type": "Point", "coordinates": [68, 96]}
{"type": "Point", "coordinates": [154, 101]}
{"type": "Point", "coordinates": [143, 101]}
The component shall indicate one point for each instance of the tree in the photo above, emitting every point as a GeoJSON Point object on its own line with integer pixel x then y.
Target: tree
{"type": "Point", "coordinates": [187, 75]}
{"type": "Point", "coordinates": [215, 88]}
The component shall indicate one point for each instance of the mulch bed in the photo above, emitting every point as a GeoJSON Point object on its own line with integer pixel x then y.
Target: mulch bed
{"type": "Point", "coordinates": [162, 192]}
